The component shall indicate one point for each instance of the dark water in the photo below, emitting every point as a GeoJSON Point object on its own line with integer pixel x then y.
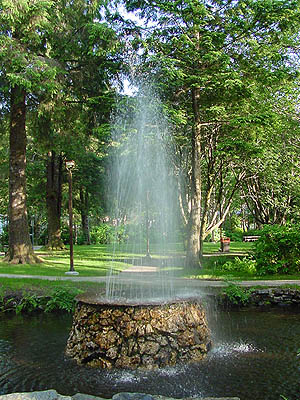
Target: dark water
{"type": "Point", "coordinates": [254, 357]}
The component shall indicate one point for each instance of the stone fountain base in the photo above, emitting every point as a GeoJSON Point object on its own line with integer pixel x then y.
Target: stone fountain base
{"type": "Point", "coordinates": [107, 335]}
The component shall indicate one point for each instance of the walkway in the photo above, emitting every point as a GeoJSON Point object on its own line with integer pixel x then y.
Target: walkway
{"type": "Point", "coordinates": [178, 281]}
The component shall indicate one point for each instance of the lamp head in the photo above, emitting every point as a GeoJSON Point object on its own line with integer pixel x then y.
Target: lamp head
{"type": "Point", "coordinates": [70, 164]}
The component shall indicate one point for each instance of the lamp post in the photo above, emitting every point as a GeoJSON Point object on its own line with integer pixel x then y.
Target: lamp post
{"type": "Point", "coordinates": [70, 166]}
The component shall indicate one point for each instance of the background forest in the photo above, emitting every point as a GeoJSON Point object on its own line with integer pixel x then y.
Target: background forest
{"type": "Point", "coordinates": [227, 75]}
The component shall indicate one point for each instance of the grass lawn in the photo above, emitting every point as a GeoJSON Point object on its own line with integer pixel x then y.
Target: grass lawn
{"type": "Point", "coordinates": [209, 272]}
{"type": "Point", "coordinates": [236, 248]}
{"type": "Point", "coordinates": [46, 286]}
{"type": "Point", "coordinates": [88, 261]}
{"type": "Point", "coordinates": [96, 260]}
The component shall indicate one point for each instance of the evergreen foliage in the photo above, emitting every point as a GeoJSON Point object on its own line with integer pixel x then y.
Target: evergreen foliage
{"type": "Point", "coordinates": [227, 73]}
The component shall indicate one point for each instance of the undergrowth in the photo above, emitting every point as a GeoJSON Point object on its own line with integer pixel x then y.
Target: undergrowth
{"type": "Point", "coordinates": [59, 299]}
{"type": "Point", "coordinates": [237, 295]}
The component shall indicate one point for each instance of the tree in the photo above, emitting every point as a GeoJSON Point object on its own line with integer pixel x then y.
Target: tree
{"type": "Point", "coordinates": [20, 249]}
{"type": "Point", "coordinates": [25, 69]}
{"type": "Point", "coordinates": [271, 187]}
{"type": "Point", "coordinates": [211, 58]}
{"type": "Point", "coordinates": [83, 49]}
{"type": "Point", "coordinates": [91, 51]}
{"type": "Point", "coordinates": [54, 200]}
{"type": "Point", "coordinates": [4, 158]}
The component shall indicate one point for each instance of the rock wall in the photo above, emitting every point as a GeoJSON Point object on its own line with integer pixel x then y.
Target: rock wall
{"type": "Point", "coordinates": [275, 297]}
{"type": "Point", "coordinates": [264, 297]}
{"type": "Point", "coordinates": [133, 336]}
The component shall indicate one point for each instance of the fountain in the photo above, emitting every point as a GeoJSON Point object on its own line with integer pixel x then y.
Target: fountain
{"type": "Point", "coordinates": [145, 320]}
{"type": "Point", "coordinates": [133, 335]}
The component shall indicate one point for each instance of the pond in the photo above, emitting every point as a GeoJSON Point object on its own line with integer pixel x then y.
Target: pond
{"type": "Point", "coordinates": [254, 356]}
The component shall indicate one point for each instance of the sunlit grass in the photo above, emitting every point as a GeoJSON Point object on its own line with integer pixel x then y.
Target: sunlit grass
{"type": "Point", "coordinates": [45, 286]}
{"type": "Point", "coordinates": [88, 261]}
{"type": "Point", "coordinates": [214, 274]}
{"type": "Point", "coordinates": [96, 260]}
{"type": "Point", "coordinates": [235, 247]}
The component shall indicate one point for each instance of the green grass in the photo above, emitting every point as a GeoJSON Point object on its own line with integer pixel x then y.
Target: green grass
{"type": "Point", "coordinates": [235, 248]}
{"type": "Point", "coordinates": [96, 260]}
{"type": "Point", "coordinates": [93, 260]}
{"type": "Point", "coordinates": [46, 286]}
{"type": "Point", "coordinates": [213, 257]}
{"type": "Point", "coordinates": [88, 261]}
{"type": "Point", "coordinates": [210, 270]}
{"type": "Point", "coordinates": [212, 274]}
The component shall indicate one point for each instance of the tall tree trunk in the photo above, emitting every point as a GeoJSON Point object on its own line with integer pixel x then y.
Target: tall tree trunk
{"type": "Point", "coordinates": [204, 218]}
{"type": "Point", "coordinates": [84, 199]}
{"type": "Point", "coordinates": [53, 200]}
{"type": "Point", "coordinates": [193, 246]}
{"type": "Point", "coordinates": [20, 247]}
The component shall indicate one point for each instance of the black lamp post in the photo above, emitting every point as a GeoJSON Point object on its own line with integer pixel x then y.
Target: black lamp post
{"type": "Point", "coordinates": [70, 166]}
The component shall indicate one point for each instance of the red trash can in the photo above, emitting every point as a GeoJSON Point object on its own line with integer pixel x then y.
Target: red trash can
{"type": "Point", "coordinates": [225, 244]}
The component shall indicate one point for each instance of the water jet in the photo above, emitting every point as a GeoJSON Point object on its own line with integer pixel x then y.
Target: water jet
{"type": "Point", "coordinates": [143, 321]}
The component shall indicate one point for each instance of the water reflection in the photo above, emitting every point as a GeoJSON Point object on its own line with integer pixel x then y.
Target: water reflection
{"type": "Point", "coordinates": [254, 356]}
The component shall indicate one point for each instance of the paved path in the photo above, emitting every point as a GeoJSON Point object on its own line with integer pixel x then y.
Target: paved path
{"type": "Point", "coordinates": [57, 278]}
{"type": "Point", "coordinates": [125, 277]}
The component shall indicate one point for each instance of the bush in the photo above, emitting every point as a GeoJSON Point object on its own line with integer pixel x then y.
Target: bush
{"type": "Point", "coordinates": [216, 236]}
{"type": "Point", "coordinates": [278, 250]}
{"type": "Point", "coordinates": [106, 234]}
{"type": "Point", "coordinates": [235, 236]}
{"type": "Point", "coordinates": [232, 228]}
{"type": "Point", "coordinates": [62, 299]}
{"type": "Point", "coordinates": [120, 234]}
{"type": "Point", "coordinates": [65, 235]}
{"type": "Point", "coordinates": [245, 265]}
{"type": "Point", "coordinates": [237, 295]}
{"type": "Point", "coordinates": [102, 234]}
{"type": "Point", "coordinates": [29, 303]}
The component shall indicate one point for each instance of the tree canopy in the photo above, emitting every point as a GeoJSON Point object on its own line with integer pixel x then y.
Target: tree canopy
{"type": "Point", "coordinates": [225, 71]}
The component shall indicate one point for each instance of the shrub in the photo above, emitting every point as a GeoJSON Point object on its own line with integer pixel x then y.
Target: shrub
{"type": "Point", "coordinates": [245, 265]}
{"type": "Point", "coordinates": [106, 234]}
{"type": "Point", "coordinates": [236, 235]}
{"type": "Point", "coordinates": [278, 250]}
{"type": "Point", "coordinates": [29, 303]}
{"type": "Point", "coordinates": [6, 303]}
{"type": "Point", "coordinates": [81, 239]}
{"type": "Point", "coordinates": [102, 234]}
{"type": "Point", "coordinates": [237, 295]}
{"type": "Point", "coordinates": [120, 234]}
{"type": "Point", "coordinates": [62, 299]}
{"type": "Point", "coordinates": [232, 228]}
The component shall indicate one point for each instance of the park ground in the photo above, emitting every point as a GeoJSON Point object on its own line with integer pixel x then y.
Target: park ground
{"type": "Point", "coordinates": [94, 261]}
